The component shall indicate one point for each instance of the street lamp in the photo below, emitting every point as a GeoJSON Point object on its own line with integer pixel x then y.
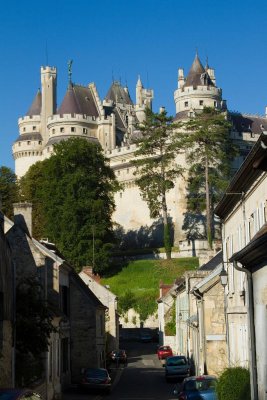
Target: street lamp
{"type": "Point", "coordinates": [224, 277]}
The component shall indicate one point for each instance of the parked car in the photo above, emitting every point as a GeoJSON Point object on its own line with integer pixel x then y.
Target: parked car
{"type": "Point", "coordinates": [96, 378]}
{"type": "Point", "coordinates": [164, 352]}
{"type": "Point", "coordinates": [18, 394]}
{"type": "Point", "coordinates": [119, 356]}
{"type": "Point", "coordinates": [176, 367]}
{"type": "Point", "coordinates": [197, 387]}
{"type": "Point", "coordinates": [145, 337]}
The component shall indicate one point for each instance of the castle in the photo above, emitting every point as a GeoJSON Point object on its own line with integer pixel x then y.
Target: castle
{"type": "Point", "coordinates": [111, 122]}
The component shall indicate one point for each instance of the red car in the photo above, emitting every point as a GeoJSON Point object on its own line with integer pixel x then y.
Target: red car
{"type": "Point", "coordinates": [164, 352]}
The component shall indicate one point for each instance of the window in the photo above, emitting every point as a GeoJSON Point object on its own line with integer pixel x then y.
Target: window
{"type": "Point", "coordinates": [186, 103]}
{"type": "Point", "coordinates": [40, 142]}
{"type": "Point", "coordinates": [201, 102]}
{"type": "Point", "coordinates": [72, 129]}
{"type": "Point", "coordinates": [62, 130]}
{"type": "Point", "coordinates": [24, 129]}
{"type": "Point", "coordinates": [28, 142]}
{"type": "Point", "coordinates": [53, 131]}
{"type": "Point", "coordinates": [85, 130]}
{"type": "Point", "coordinates": [64, 299]}
{"type": "Point", "coordinates": [215, 103]}
{"type": "Point", "coordinates": [34, 128]}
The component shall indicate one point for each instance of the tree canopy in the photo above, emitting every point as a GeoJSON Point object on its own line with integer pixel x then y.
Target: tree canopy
{"type": "Point", "coordinates": [8, 190]}
{"type": "Point", "coordinates": [157, 169]}
{"type": "Point", "coordinates": [209, 152]}
{"type": "Point", "coordinates": [72, 196]}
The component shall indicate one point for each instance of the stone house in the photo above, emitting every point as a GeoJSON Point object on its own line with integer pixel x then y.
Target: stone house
{"type": "Point", "coordinates": [243, 212]}
{"type": "Point", "coordinates": [108, 299]}
{"type": "Point", "coordinates": [209, 297]}
{"type": "Point", "coordinates": [87, 322]}
{"type": "Point", "coordinates": [6, 310]}
{"type": "Point", "coordinates": [165, 305]}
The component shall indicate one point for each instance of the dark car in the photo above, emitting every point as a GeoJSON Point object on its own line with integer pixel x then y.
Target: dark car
{"type": "Point", "coordinates": [197, 387]}
{"type": "Point", "coordinates": [176, 367]}
{"type": "Point", "coordinates": [118, 356]}
{"type": "Point", "coordinates": [164, 352]}
{"type": "Point", "coordinates": [18, 394]}
{"type": "Point", "coordinates": [96, 378]}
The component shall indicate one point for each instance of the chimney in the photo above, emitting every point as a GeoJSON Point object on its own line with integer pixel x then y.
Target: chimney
{"type": "Point", "coordinates": [23, 216]}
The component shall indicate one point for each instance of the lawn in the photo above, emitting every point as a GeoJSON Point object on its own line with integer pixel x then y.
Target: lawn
{"type": "Point", "coordinates": [137, 284]}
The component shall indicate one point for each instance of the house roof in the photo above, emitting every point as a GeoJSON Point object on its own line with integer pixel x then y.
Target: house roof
{"type": "Point", "coordinates": [78, 100]}
{"type": "Point", "coordinates": [36, 107]}
{"type": "Point", "coordinates": [88, 292]}
{"type": "Point", "coordinates": [118, 94]}
{"type": "Point", "coordinates": [197, 75]}
{"type": "Point", "coordinates": [251, 169]}
{"type": "Point", "coordinates": [254, 255]}
{"type": "Point", "coordinates": [213, 263]}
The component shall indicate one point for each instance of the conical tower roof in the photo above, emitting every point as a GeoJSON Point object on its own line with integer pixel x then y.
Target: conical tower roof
{"type": "Point", "coordinates": [78, 100]}
{"type": "Point", "coordinates": [36, 107]}
{"type": "Point", "coordinates": [117, 94]}
{"type": "Point", "coordinates": [195, 76]}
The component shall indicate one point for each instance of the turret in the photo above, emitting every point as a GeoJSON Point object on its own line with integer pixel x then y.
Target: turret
{"type": "Point", "coordinates": [49, 103]}
{"type": "Point", "coordinates": [144, 99]}
{"type": "Point", "coordinates": [197, 90]}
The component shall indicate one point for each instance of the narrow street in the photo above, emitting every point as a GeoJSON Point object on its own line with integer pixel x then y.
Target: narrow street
{"type": "Point", "coordinates": [142, 379]}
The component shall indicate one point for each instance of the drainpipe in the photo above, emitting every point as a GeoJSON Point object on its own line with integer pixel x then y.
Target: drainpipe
{"type": "Point", "coordinates": [253, 369]}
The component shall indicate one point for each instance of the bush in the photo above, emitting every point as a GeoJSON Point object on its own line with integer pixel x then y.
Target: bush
{"type": "Point", "coordinates": [234, 384]}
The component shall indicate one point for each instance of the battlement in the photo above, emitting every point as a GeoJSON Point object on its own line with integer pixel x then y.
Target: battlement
{"type": "Point", "coordinates": [61, 118]}
{"type": "Point", "coordinates": [198, 89]}
{"type": "Point", "coordinates": [48, 69]}
{"type": "Point", "coordinates": [120, 151]}
{"type": "Point", "coordinates": [29, 119]}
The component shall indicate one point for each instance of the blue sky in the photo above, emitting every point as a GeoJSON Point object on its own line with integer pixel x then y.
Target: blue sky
{"type": "Point", "coordinates": [122, 39]}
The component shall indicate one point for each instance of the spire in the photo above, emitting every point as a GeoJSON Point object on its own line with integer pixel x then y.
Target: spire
{"type": "Point", "coordinates": [195, 75]}
{"type": "Point", "coordinates": [139, 83]}
{"type": "Point", "coordinates": [35, 108]}
{"type": "Point", "coordinates": [69, 104]}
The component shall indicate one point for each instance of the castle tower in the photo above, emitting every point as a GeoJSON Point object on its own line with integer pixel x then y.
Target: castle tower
{"type": "Point", "coordinates": [144, 99]}
{"type": "Point", "coordinates": [197, 90]}
{"type": "Point", "coordinates": [49, 97]}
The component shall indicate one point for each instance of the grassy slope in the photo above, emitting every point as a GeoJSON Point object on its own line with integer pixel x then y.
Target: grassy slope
{"type": "Point", "coordinates": [142, 277]}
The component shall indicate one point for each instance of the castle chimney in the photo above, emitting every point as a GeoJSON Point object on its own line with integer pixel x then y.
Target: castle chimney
{"type": "Point", "coordinates": [23, 216]}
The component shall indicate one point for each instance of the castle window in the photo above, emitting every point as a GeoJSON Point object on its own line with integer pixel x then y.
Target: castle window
{"type": "Point", "coordinates": [84, 130]}
{"type": "Point", "coordinates": [24, 129]}
{"type": "Point", "coordinates": [127, 170]}
{"type": "Point", "coordinates": [201, 102]}
{"type": "Point", "coordinates": [119, 172]}
{"type": "Point", "coordinates": [62, 130]}
{"type": "Point", "coordinates": [53, 130]}
{"type": "Point", "coordinates": [40, 142]}
{"type": "Point", "coordinates": [34, 128]}
{"type": "Point", "coordinates": [19, 143]}
{"type": "Point", "coordinates": [186, 103]}
{"type": "Point", "coordinates": [215, 103]}
{"type": "Point", "coordinates": [28, 142]}
{"type": "Point", "coordinates": [120, 194]}
{"type": "Point", "coordinates": [72, 129]}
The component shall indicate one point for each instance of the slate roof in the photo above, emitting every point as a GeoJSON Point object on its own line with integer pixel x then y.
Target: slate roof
{"type": "Point", "coordinates": [197, 75]}
{"type": "Point", "coordinates": [117, 94]}
{"type": "Point", "coordinates": [29, 136]}
{"type": "Point", "coordinates": [36, 107]}
{"type": "Point", "coordinates": [78, 100]}
{"type": "Point", "coordinates": [248, 123]}
{"type": "Point", "coordinates": [213, 263]}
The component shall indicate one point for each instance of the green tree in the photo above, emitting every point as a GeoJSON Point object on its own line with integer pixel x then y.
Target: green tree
{"type": "Point", "coordinates": [72, 192]}
{"type": "Point", "coordinates": [8, 190]}
{"type": "Point", "coordinates": [157, 169]}
{"type": "Point", "coordinates": [209, 152]}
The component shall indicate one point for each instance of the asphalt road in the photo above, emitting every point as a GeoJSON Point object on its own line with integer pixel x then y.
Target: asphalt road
{"type": "Point", "coordinates": [142, 379]}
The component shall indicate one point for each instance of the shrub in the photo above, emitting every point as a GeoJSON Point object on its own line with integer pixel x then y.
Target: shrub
{"type": "Point", "coordinates": [234, 384]}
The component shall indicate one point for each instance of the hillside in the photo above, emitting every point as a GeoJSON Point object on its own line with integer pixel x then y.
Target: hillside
{"type": "Point", "coordinates": [137, 284]}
